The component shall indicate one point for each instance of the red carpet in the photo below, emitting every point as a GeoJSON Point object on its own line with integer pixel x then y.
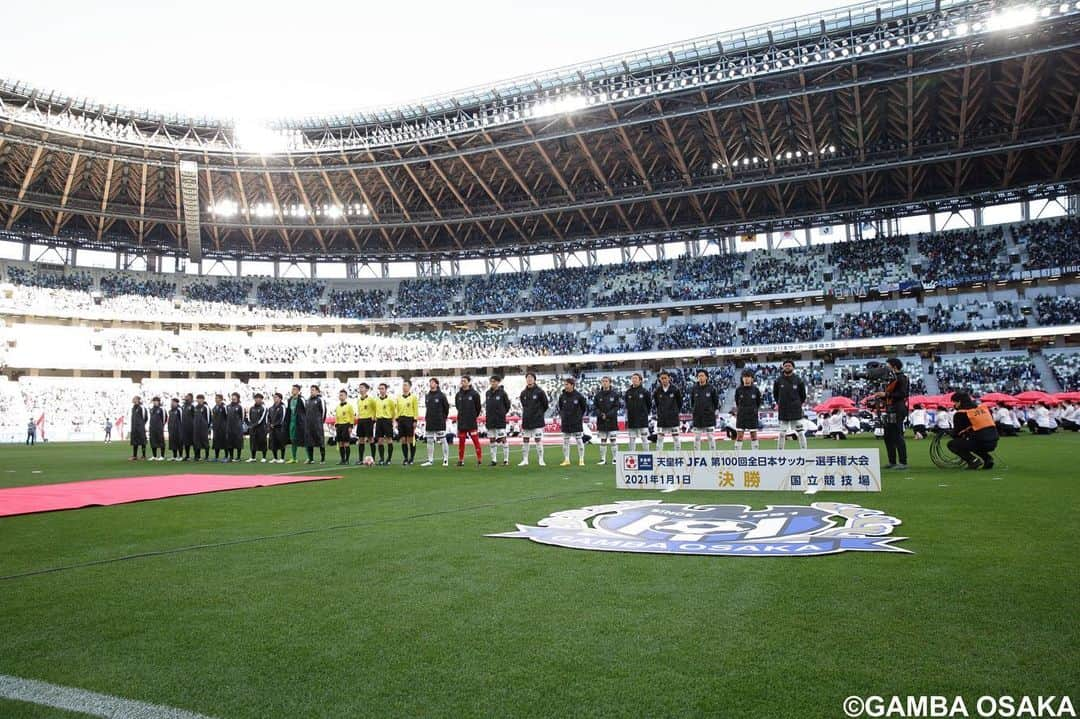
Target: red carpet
{"type": "Point", "coordinates": [103, 492]}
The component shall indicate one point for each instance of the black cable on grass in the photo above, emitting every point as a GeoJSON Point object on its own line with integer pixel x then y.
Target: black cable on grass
{"type": "Point", "coordinates": [283, 535]}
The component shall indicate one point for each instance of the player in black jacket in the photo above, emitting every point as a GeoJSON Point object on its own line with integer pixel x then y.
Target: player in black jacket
{"type": "Point", "coordinates": [468, 405]}
{"type": "Point", "coordinates": [704, 401]}
{"type": "Point", "coordinates": [137, 433]}
{"type": "Point", "coordinates": [437, 409]}
{"type": "Point", "coordinates": [200, 429]}
{"type": "Point", "coordinates": [187, 427]}
{"type": "Point", "coordinates": [668, 402]}
{"type": "Point", "coordinates": [789, 393]}
{"type": "Point", "coordinates": [606, 404]}
{"type": "Point", "coordinates": [638, 405]}
{"type": "Point", "coordinates": [234, 426]}
{"type": "Point", "coordinates": [572, 409]}
{"type": "Point", "coordinates": [747, 407]}
{"type": "Point", "coordinates": [279, 433]}
{"type": "Point", "coordinates": [157, 430]}
{"type": "Point", "coordinates": [218, 420]}
{"type": "Point", "coordinates": [257, 427]}
{"type": "Point", "coordinates": [176, 429]}
{"type": "Point", "coordinates": [314, 424]}
{"type": "Point", "coordinates": [534, 404]}
{"type": "Point", "coordinates": [496, 405]}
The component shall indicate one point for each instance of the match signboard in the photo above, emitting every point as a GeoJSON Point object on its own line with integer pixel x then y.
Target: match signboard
{"type": "Point", "coordinates": [840, 470]}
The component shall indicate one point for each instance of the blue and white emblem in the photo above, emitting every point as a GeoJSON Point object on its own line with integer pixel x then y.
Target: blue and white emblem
{"type": "Point", "coordinates": [653, 526]}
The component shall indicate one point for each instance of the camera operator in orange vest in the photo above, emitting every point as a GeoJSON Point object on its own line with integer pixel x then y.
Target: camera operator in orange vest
{"type": "Point", "coordinates": [975, 435]}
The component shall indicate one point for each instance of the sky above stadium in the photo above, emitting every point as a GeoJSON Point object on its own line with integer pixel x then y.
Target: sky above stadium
{"type": "Point", "coordinates": [260, 60]}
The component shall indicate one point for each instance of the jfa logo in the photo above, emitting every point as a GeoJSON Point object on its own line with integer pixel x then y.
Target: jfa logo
{"type": "Point", "coordinates": [641, 462]}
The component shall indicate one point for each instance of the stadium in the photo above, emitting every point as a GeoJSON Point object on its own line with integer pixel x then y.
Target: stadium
{"type": "Point", "coordinates": [885, 181]}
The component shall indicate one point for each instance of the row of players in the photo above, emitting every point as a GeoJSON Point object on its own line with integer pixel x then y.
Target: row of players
{"type": "Point", "coordinates": [299, 422]}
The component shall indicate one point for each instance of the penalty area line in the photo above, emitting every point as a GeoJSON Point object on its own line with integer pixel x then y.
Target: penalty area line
{"type": "Point", "coordinates": [86, 702]}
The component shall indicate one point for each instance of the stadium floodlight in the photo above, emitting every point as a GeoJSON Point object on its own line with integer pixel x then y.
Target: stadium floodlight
{"type": "Point", "coordinates": [962, 29]}
{"type": "Point", "coordinates": [333, 211]}
{"type": "Point", "coordinates": [225, 208]}
{"type": "Point", "coordinates": [264, 209]}
{"type": "Point", "coordinates": [832, 149]}
{"type": "Point", "coordinates": [256, 137]}
{"type": "Point", "coordinates": [1011, 18]}
{"type": "Point", "coordinates": [715, 166]}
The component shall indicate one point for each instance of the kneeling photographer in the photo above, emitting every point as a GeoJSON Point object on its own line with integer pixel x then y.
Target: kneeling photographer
{"type": "Point", "coordinates": [893, 403]}
{"type": "Point", "coordinates": [975, 434]}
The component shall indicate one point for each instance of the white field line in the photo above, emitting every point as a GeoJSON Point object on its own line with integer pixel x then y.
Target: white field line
{"type": "Point", "coordinates": [86, 702]}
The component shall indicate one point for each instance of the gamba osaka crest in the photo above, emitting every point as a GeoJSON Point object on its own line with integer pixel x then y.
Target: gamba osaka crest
{"type": "Point", "coordinates": [653, 526]}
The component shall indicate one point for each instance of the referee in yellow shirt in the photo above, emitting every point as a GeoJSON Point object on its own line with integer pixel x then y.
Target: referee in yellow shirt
{"type": "Point", "coordinates": [408, 407]}
{"type": "Point", "coordinates": [385, 411]}
{"type": "Point", "coordinates": [344, 418]}
{"type": "Point", "coordinates": [365, 422]}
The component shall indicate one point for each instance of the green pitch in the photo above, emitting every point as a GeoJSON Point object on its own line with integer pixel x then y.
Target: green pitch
{"type": "Point", "coordinates": [378, 595]}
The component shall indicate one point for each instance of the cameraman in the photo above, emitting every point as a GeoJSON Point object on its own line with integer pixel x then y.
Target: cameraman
{"type": "Point", "coordinates": [895, 399]}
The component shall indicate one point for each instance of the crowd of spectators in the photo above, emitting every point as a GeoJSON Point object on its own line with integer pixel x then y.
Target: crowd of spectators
{"type": "Point", "coordinates": [550, 343]}
{"type": "Point", "coordinates": [963, 256]}
{"type": "Point", "coordinates": [1066, 369]}
{"type": "Point", "coordinates": [693, 335]}
{"type": "Point", "coordinates": [782, 329]}
{"type": "Point", "coordinates": [357, 304]}
{"type": "Point", "coordinates": [427, 297]}
{"type": "Point", "coordinates": [225, 289]}
{"type": "Point", "coordinates": [972, 316]}
{"type": "Point", "coordinates": [496, 294]}
{"type": "Point", "coordinates": [709, 277]}
{"type": "Point", "coordinates": [1050, 243]}
{"type": "Point", "coordinates": [1058, 310]}
{"type": "Point", "coordinates": [789, 270]}
{"type": "Point", "coordinates": [1010, 374]}
{"type": "Point", "coordinates": [881, 323]}
{"type": "Point", "coordinates": [563, 289]}
{"type": "Point", "coordinates": [863, 264]}
{"type": "Point", "coordinates": [121, 285]}
{"type": "Point", "coordinates": [51, 279]}
{"type": "Point", "coordinates": [295, 296]}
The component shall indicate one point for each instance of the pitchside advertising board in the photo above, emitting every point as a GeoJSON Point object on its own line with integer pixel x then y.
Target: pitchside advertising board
{"type": "Point", "coordinates": [840, 470]}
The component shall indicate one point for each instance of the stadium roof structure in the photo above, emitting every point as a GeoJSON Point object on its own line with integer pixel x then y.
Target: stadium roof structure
{"type": "Point", "coordinates": [875, 110]}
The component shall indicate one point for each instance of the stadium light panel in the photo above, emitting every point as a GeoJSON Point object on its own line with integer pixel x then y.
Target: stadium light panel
{"type": "Point", "coordinates": [258, 138]}
{"type": "Point", "coordinates": [225, 208]}
{"type": "Point", "coordinates": [1011, 18]}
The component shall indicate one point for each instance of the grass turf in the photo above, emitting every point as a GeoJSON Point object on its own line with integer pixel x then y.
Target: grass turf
{"type": "Point", "coordinates": [379, 595]}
